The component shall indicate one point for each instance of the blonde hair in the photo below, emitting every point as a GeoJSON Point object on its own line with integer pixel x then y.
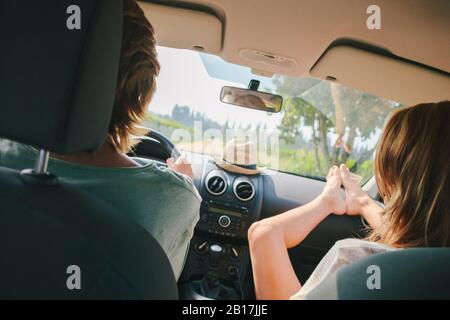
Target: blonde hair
{"type": "Point", "coordinates": [412, 168]}
{"type": "Point", "coordinates": [138, 68]}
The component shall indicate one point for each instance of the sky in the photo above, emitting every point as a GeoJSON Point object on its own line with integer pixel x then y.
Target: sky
{"type": "Point", "coordinates": [184, 80]}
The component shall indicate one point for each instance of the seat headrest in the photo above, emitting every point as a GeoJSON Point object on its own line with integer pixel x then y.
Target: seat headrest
{"type": "Point", "coordinates": [57, 84]}
{"type": "Point", "coordinates": [416, 273]}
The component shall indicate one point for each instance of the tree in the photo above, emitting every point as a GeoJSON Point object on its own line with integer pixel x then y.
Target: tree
{"type": "Point", "coordinates": [181, 114]}
{"type": "Point", "coordinates": [332, 117]}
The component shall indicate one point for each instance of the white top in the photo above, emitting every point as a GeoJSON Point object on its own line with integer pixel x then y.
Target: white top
{"type": "Point", "coordinates": [343, 253]}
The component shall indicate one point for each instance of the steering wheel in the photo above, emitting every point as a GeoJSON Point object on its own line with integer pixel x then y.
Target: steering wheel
{"type": "Point", "coordinates": [154, 145]}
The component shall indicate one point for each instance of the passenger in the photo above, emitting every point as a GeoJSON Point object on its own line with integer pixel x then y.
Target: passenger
{"type": "Point", "coordinates": [164, 201]}
{"type": "Point", "coordinates": [412, 170]}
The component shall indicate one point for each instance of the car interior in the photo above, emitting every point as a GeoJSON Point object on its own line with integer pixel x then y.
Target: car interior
{"type": "Point", "coordinates": [57, 90]}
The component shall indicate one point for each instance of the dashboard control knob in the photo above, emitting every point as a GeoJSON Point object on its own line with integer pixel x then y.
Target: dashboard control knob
{"type": "Point", "coordinates": [234, 253]}
{"type": "Point", "coordinates": [224, 221]}
{"type": "Point", "coordinates": [201, 246]}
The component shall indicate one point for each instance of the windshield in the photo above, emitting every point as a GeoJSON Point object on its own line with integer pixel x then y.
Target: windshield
{"type": "Point", "coordinates": [321, 123]}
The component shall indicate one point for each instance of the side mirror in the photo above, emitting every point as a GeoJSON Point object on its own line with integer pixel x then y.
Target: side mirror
{"type": "Point", "coordinates": [250, 98]}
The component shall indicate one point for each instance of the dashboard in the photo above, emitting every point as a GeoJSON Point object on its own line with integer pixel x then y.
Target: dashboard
{"type": "Point", "coordinates": [230, 203]}
{"type": "Point", "coordinates": [218, 262]}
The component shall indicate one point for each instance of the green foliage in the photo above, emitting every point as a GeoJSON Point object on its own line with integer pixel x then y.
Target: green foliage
{"type": "Point", "coordinates": [298, 161]}
{"type": "Point", "coordinates": [163, 124]}
{"type": "Point", "coordinates": [322, 124]}
{"type": "Point", "coordinates": [186, 116]}
{"type": "Point", "coordinates": [155, 121]}
{"type": "Point", "coordinates": [335, 117]}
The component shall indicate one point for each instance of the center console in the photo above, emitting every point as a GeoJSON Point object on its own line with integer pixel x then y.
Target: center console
{"type": "Point", "coordinates": [218, 261]}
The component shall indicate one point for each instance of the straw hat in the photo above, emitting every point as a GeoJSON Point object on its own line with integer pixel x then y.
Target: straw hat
{"type": "Point", "coordinates": [238, 156]}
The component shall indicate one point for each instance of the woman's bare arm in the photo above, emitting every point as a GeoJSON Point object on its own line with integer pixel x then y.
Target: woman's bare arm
{"type": "Point", "coordinates": [270, 238]}
{"type": "Point", "coordinates": [372, 213]}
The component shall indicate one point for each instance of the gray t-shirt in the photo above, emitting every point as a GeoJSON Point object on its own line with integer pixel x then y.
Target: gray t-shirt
{"type": "Point", "coordinates": [343, 253]}
{"type": "Point", "coordinates": [164, 202]}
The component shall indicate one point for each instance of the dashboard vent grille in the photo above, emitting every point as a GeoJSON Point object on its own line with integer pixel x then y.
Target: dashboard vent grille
{"type": "Point", "coordinates": [244, 190]}
{"type": "Point", "coordinates": [216, 185]}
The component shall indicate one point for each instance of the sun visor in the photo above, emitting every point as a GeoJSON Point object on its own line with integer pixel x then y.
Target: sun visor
{"type": "Point", "coordinates": [184, 28]}
{"type": "Point", "coordinates": [382, 75]}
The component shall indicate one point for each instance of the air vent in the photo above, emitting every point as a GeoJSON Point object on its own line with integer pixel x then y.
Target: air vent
{"type": "Point", "coordinates": [216, 184]}
{"type": "Point", "coordinates": [243, 190]}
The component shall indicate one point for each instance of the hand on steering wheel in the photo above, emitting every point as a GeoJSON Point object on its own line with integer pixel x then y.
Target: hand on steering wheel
{"type": "Point", "coordinates": [156, 146]}
{"type": "Point", "coordinates": [181, 165]}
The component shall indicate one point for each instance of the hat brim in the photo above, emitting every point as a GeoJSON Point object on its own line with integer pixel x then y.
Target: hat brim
{"type": "Point", "coordinates": [235, 168]}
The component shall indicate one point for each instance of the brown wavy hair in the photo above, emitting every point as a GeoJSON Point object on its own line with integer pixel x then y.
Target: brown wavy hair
{"type": "Point", "coordinates": [412, 168]}
{"type": "Point", "coordinates": [138, 69]}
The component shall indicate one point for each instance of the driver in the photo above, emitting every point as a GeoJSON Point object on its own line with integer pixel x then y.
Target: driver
{"type": "Point", "coordinates": [150, 194]}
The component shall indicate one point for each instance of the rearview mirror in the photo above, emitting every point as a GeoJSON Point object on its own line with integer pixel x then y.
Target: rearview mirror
{"type": "Point", "coordinates": [252, 99]}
